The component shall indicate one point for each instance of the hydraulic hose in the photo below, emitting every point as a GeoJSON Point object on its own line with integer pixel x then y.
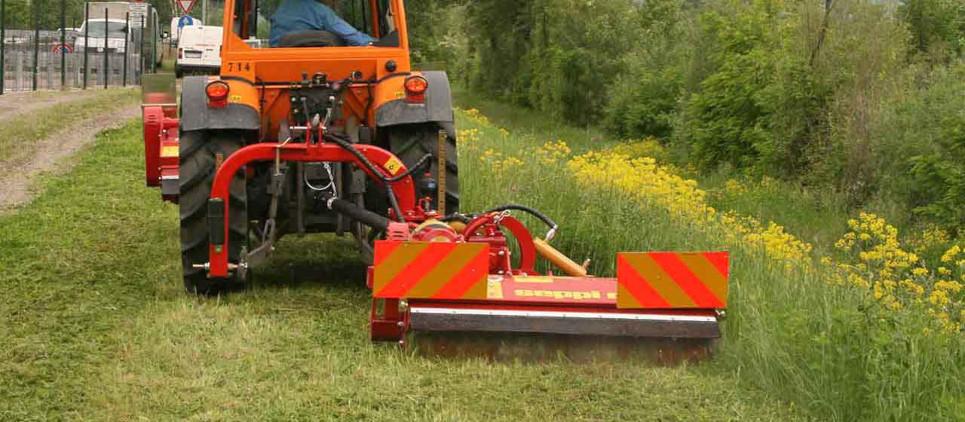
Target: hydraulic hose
{"type": "Point", "coordinates": [456, 216]}
{"type": "Point", "coordinates": [408, 172]}
{"type": "Point", "coordinates": [393, 201]}
{"type": "Point", "coordinates": [347, 146]}
{"type": "Point", "coordinates": [357, 213]}
{"type": "Point", "coordinates": [535, 213]}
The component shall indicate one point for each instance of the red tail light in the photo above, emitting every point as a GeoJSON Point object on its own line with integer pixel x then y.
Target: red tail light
{"type": "Point", "coordinates": [217, 92]}
{"type": "Point", "coordinates": [415, 89]}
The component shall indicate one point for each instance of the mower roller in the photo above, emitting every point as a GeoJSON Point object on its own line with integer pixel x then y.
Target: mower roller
{"type": "Point", "coordinates": [350, 140]}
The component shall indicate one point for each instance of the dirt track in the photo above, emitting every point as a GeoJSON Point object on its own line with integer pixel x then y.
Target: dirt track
{"type": "Point", "coordinates": [17, 103]}
{"type": "Point", "coordinates": [48, 155]}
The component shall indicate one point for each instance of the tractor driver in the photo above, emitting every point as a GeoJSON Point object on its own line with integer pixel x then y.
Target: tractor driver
{"type": "Point", "coordinates": [305, 18]}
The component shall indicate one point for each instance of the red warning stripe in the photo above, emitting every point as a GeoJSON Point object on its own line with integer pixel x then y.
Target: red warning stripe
{"type": "Point", "coordinates": [661, 280]}
{"type": "Point", "coordinates": [636, 288]}
{"type": "Point", "coordinates": [439, 270]}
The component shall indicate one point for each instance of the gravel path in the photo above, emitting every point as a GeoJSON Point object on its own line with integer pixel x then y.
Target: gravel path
{"type": "Point", "coordinates": [49, 154]}
{"type": "Point", "coordinates": [14, 104]}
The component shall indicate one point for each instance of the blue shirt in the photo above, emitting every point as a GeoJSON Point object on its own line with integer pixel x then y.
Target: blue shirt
{"type": "Point", "coordinates": [310, 15]}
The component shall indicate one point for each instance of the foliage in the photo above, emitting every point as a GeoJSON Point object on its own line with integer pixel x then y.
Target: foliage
{"type": "Point", "coordinates": [814, 332]}
{"type": "Point", "coordinates": [813, 93]}
{"type": "Point", "coordinates": [938, 26]}
{"type": "Point", "coordinates": [925, 141]}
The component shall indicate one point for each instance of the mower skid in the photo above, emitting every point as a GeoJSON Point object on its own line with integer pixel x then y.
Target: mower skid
{"type": "Point", "coordinates": [446, 289]}
{"type": "Point", "coordinates": [439, 319]}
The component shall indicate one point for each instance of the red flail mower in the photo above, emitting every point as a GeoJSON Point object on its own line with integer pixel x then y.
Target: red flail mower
{"type": "Point", "coordinates": [464, 282]}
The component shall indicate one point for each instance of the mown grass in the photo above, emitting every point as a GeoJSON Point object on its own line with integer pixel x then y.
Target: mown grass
{"type": "Point", "coordinates": [19, 131]}
{"type": "Point", "coordinates": [829, 350]}
{"type": "Point", "coordinates": [95, 326]}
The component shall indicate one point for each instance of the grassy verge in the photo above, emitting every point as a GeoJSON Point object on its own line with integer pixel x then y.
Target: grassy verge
{"type": "Point", "coordinates": [794, 330]}
{"type": "Point", "coordinates": [534, 125]}
{"type": "Point", "coordinates": [17, 133]}
{"type": "Point", "coordinates": [816, 216]}
{"type": "Point", "coordinates": [95, 326]}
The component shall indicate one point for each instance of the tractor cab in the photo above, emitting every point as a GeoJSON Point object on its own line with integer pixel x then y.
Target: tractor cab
{"type": "Point", "coordinates": [380, 90]}
{"type": "Point", "coordinates": [253, 39]}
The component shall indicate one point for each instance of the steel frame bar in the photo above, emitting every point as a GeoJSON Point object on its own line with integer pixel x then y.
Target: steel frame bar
{"type": "Point", "coordinates": [404, 188]}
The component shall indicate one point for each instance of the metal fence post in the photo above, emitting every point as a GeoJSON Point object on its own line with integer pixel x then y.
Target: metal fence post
{"type": "Point", "coordinates": [36, 43]}
{"type": "Point", "coordinates": [18, 71]}
{"type": "Point", "coordinates": [153, 46]}
{"type": "Point", "coordinates": [107, 75]}
{"type": "Point", "coordinates": [3, 37]}
{"type": "Point", "coordinates": [86, 40]}
{"type": "Point", "coordinates": [127, 37]}
{"type": "Point", "coordinates": [63, 44]}
{"type": "Point", "coordinates": [141, 55]}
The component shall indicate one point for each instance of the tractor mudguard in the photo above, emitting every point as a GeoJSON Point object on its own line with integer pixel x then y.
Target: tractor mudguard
{"type": "Point", "coordinates": [437, 108]}
{"type": "Point", "coordinates": [196, 115]}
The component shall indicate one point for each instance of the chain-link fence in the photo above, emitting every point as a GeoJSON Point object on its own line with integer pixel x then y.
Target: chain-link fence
{"type": "Point", "coordinates": [111, 44]}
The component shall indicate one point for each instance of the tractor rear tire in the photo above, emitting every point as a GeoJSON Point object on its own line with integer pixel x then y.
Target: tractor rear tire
{"type": "Point", "coordinates": [411, 143]}
{"type": "Point", "coordinates": [199, 152]}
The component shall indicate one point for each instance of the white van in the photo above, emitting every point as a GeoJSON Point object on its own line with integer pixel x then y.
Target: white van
{"type": "Point", "coordinates": [177, 24]}
{"type": "Point", "coordinates": [199, 50]}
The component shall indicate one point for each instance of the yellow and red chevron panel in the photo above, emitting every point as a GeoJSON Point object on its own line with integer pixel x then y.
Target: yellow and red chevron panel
{"type": "Point", "coordinates": [430, 270]}
{"type": "Point", "coordinates": [665, 280]}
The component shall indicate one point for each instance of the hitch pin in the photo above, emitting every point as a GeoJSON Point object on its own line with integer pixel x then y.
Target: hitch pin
{"type": "Point", "coordinates": [207, 266]}
{"type": "Point", "coordinates": [328, 114]}
{"type": "Point", "coordinates": [278, 156]}
{"type": "Point", "coordinates": [499, 217]}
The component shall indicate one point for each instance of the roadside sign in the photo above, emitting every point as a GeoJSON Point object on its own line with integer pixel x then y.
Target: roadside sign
{"type": "Point", "coordinates": [185, 21]}
{"type": "Point", "coordinates": [185, 5]}
{"type": "Point", "coordinates": [138, 10]}
{"type": "Point", "coordinates": [66, 48]}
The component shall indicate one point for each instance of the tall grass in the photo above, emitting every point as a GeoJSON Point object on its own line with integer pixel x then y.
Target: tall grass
{"type": "Point", "coordinates": [828, 349]}
{"type": "Point", "coordinates": [95, 325]}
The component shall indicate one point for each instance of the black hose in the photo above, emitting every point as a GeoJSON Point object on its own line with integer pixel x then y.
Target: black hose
{"type": "Point", "coordinates": [408, 172]}
{"type": "Point", "coordinates": [371, 167]}
{"type": "Point", "coordinates": [549, 222]}
{"type": "Point", "coordinates": [456, 216]}
{"type": "Point", "coordinates": [394, 202]}
{"type": "Point", "coordinates": [357, 213]}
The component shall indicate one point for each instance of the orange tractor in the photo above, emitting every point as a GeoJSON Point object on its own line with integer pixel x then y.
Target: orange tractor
{"type": "Point", "coordinates": [319, 137]}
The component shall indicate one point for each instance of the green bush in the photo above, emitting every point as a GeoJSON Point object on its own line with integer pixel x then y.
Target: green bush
{"type": "Point", "coordinates": [802, 91]}
{"type": "Point", "coordinates": [924, 149]}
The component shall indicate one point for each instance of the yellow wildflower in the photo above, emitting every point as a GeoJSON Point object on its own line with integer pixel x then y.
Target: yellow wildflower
{"type": "Point", "coordinates": [951, 253]}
